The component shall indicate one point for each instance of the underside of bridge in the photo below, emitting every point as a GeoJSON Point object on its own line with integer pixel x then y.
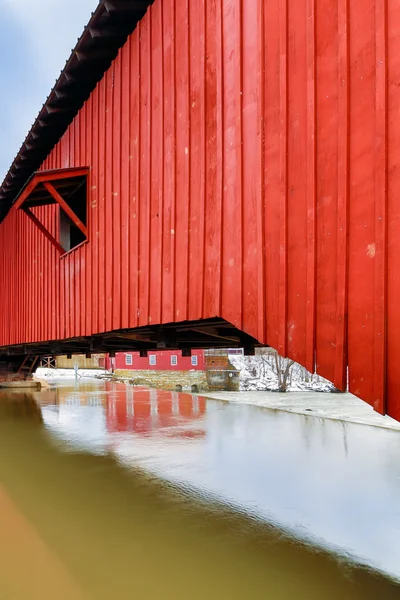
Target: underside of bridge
{"type": "Point", "coordinates": [185, 336]}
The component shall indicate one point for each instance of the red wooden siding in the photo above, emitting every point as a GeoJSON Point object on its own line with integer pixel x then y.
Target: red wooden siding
{"type": "Point", "coordinates": [244, 164]}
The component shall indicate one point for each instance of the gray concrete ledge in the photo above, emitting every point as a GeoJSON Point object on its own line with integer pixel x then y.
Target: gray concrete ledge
{"type": "Point", "coordinates": [339, 407]}
{"type": "Point", "coordinates": [20, 384]}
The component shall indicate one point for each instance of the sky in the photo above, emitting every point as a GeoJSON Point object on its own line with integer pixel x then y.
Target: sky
{"type": "Point", "coordinates": [36, 38]}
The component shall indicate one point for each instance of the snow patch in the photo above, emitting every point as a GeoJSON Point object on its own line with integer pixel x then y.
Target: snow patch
{"type": "Point", "coordinates": [259, 373]}
{"type": "Point", "coordinates": [43, 373]}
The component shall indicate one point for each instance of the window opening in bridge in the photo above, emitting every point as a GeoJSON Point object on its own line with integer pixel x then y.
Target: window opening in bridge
{"type": "Point", "coordinates": [194, 361]}
{"type": "Point", "coordinates": [174, 360]}
{"type": "Point", "coordinates": [152, 360]}
{"type": "Point", "coordinates": [71, 234]}
{"type": "Point", "coordinates": [128, 359]}
{"type": "Point", "coordinates": [67, 190]}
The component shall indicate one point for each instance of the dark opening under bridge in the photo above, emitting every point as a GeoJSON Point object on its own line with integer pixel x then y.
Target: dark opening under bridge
{"type": "Point", "coordinates": [218, 172]}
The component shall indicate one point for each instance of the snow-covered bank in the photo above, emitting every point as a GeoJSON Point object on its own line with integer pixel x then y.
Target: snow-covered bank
{"type": "Point", "coordinates": [260, 373]}
{"type": "Point", "coordinates": [43, 373]}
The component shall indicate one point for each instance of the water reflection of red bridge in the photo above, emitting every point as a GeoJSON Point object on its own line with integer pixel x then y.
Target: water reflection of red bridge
{"type": "Point", "coordinates": [145, 411]}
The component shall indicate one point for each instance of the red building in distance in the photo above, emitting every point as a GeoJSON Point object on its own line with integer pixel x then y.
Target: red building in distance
{"type": "Point", "coordinates": [158, 360]}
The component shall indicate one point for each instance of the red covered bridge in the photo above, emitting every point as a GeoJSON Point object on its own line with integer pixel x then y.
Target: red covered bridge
{"type": "Point", "coordinates": [218, 172]}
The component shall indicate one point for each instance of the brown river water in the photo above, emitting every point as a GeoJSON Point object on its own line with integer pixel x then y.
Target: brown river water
{"type": "Point", "coordinates": [114, 492]}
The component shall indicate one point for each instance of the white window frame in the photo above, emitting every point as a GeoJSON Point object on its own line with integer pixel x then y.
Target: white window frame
{"type": "Point", "coordinates": [194, 360]}
{"type": "Point", "coordinates": [152, 360]}
{"type": "Point", "coordinates": [128, 360]}
{"type": "Point", "coordinates": [174, 360]}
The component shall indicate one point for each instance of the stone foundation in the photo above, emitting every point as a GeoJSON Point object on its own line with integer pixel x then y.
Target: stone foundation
{"type": "Point", "coordinates": [166, 380]}
{"type": "Point", "coordinates": [227, 380]}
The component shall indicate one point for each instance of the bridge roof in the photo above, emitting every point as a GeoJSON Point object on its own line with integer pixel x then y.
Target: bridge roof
{"type": "Point", "coordinates": [103, 36]}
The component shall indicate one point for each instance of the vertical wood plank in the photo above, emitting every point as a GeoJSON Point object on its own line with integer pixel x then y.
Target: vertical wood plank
{"type": "Point", "coordinates": [311, 189]}
{"type": "Point", "coordinates": [89, 326]}
{"type": "Point", "coordinates": [102, 207]}
{"type": "Point", "coordinates": [109, 198]}
{"type": "Point", "coordinates": [393, 210]}
{"type": "Point", "coordinates": [214, 158]}
{"type": "Point", "coordinates": [82, 251]}
{"type": "Point", "coordinates": [94, 208]}
{"type": "Point", "coordinates": [252, 148]}
{"type": "Point", "coordinates": [296, 187]}
{"type": "Point", "coordinates": [182, 159]}
{"type": "Point", "coordinates": [232, 190]}
{"type": "Point", "coordinates": [283, 156]}
{"type": "Point", "coordinates": [272, 159]}
{"type": "Point", "coordinates": [134, 173]}
{"type": "Point", "coordinates": [125, 191]}
{"type": "Point", "coordinates": [169, 134]}
{"type": "Point", "coordinates": [145, 169]}
{"type": "Point", "coordinates": [116, 195]}
{"type": "Point", "coordinates": [343, 195]}
{"type": "Point", "coordinates": [362, 246]}
{"type": "Point", "coordinates": [381, 209]}
{"type": "Point", "coordinates": [260, 176]}
{"type": "Point", "coordinates": [157, 171]}
{"type": "Point", "coordinates": [197, 157]}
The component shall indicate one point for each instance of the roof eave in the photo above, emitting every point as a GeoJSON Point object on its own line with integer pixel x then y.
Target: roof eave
{"type": "Point", "coordinates": [109, 26]}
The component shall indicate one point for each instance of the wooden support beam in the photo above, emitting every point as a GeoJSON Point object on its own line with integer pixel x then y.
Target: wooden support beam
{"type": "Point", "coordinates": [57, 175]}
{"type": "Point", "coordinates": [89, 56]}
{"type": "Point", "coordinates": [208, 331]}
{"type": "Point", "coordinates": [51, 189]}
{"type": "Point", "coordinates": [47, 176]}
{"type": "Point", "coordinates": [103, 33]}
{"type": "Point", "coordinates": [52, 110]}
{"type": "Point", "coordinates": [43, 229]}
{"type": "Point", "coordinates": [27, 191]}
{"type": "Point", "coordinates": [58, 94]}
